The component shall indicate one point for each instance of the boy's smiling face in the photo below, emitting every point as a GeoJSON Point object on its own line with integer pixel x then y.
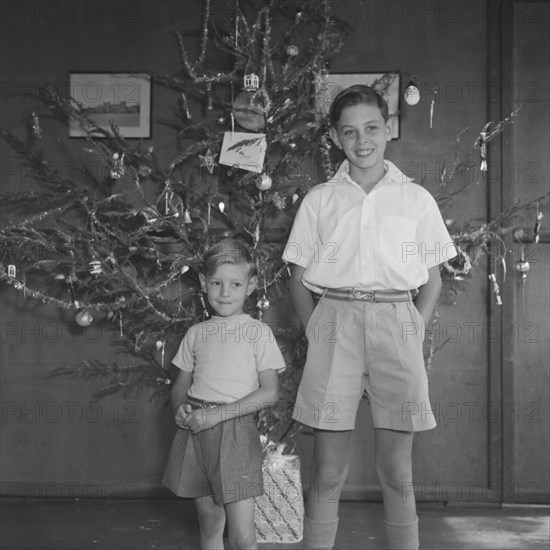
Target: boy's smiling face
{"type": "Point", "coordinates": [362, 134]}
{"type": "Point", "coordinates": [228, 288]}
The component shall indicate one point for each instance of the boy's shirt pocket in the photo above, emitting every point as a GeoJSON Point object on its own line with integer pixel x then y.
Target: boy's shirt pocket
{"type": "Point", "coordinates": [398, 237]}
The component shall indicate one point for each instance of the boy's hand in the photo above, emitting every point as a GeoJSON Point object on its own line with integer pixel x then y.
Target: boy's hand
{"type": "Point", "coordinates": [202, 419]}
{"type": "Point", "coordinates": [181, 414]}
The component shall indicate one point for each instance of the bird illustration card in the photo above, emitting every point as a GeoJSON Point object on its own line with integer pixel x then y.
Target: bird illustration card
{"type": "Point", "coordinates": [243, 150]}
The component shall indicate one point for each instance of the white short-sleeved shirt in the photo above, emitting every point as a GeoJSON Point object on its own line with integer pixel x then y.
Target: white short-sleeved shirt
{"type": "Point", "coordinates": [225, 355]}
{"type": "Point", "coordinates": [385, 239]}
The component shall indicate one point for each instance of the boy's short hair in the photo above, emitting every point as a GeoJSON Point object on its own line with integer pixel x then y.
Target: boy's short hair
{"type": "Point", "coordinates": [354, 95]}
{"type": "Point", "coordinates": [227, 251]}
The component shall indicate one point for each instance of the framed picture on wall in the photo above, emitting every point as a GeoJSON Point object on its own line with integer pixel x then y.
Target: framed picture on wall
{"type": "Point", "coordinates": [388, 84]}
{"type": "Point", "coordinates": [123, 99]}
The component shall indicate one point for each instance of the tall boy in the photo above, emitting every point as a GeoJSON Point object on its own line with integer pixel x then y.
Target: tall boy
{"type": "Point", "coordinates": [367, 241]}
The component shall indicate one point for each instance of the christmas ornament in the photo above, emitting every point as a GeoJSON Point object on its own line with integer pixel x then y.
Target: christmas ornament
{"type": "Point", "coordinates": [117, 171]}
{"type": "Point", "coordinates": [278, 200]}
{"type": "Point", "coordinates": [187, 216]}
{"type": "Point", "coordinates": [161, 345]}
{"type": "Point", "coordinates": [536, 230]}
{"type": "Point", "coordinates": [221, 206]}
{"type": "Point", "coordinates": [209, 104]}
{"type": "Point", "coordinates": [185, 107]}
{"type": "Point", "coordinates": [263, 303]}
{"type": "Point", "coordinates": [95, 267]}
{"type": "Point", "coordinates": [292, 50]}
{"type": "Point", "coordinates": [205, 313]}
{"type": "Point", "coordinates": [84, 318]}
{"type": "Point", "coordinates": [263, 182]}
{"type": "Point", "coordinates": [495, 289]}
{"type": "Point", "coordinates": [248, 111]}
{"type": "Point", "coordinates": [412, 93]}
{"type": "Point", "coordinates": [184, 269]}
{"type": "Point", "coordinates": [432, 105]}
{"type": "Point", "coordinates": [523, 267]}
{"type": "Point", "coordinates": [483, 150]}
{"type": "Point", "coordinates": [292, 145]}
{"type": "Point", "coordinates": [36, 130]}
{"type": "Point", "coordinates": [12, 271]}
{"type": "Point", "coordinates": [251, 83]}
{"type": "Point", "coordinates": [208, 161]}
{"type": "Point", "coordinates": [295, 197]}
{"type": "Point", "coordinates": [144, 171]}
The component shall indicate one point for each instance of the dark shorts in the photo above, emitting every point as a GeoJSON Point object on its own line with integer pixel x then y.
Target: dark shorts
{"type": "Point", "coordinates": [224, 462]}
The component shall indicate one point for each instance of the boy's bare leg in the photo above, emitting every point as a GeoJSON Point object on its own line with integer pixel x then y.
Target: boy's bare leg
{"type": "Point", "coordinates": [240, 523]}
{"type": "Point", "coordinates": [393, 457]}
{"type": "Point", "coordinates": [211, 523]}
{"type": "Point", "coordinates": [329, 472]}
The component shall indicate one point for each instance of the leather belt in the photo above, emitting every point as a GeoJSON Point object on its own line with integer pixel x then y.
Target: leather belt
{"type": "Point", "coordinates": [357, 294]}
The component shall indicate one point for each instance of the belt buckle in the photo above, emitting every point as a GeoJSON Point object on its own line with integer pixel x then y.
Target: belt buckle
{"type": "Point", "coordinates": [209, 406]}
{"type": "Point", "coordinates": [363, 295]}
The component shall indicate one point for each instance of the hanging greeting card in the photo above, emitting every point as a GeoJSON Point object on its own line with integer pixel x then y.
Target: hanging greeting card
{"type": "Point", "coordinates": [243, 150]}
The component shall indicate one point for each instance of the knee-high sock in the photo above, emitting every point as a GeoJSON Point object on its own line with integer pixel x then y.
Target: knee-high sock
{"type": "Point", "coordinates": [319, 535]}
{"type": "Point", "coordinates": [402, 536]}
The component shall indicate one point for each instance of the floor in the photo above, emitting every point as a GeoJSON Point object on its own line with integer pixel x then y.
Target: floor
{"type": "Point", "coordinates": [100, 524]}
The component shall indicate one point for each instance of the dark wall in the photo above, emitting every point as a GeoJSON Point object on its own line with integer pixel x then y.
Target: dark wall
{"type": "Point", "coordinates": [56, 440]}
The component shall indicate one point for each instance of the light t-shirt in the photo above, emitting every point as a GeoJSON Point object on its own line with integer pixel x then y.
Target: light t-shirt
{"type": "Point", "coordinates": [386, 239]}
{"type": "Point", "coordinates": [225, 355]}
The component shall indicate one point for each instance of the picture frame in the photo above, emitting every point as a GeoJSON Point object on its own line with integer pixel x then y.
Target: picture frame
{"type": "Point", "coordinates": [123, 99]}
{"type": "Point", "coordinates": [388, 84]}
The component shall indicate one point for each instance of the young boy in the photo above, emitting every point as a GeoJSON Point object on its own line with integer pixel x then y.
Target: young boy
{"type": "Point", "coordinates": [229, 371]}
{"type": "Point", "coordinates": [367, 241]}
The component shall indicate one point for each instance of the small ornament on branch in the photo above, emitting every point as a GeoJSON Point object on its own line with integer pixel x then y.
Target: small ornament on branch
{"type": "Point", "coordinates": [35, 124]}
{"type": "Point", "coordinates": [161, 345]}
{"type": "Point", "coordinates": [412, 93]}
{"type": "Point", "coordinates": [495, 289]}
{"type": "Point", "coordinates": [118, 169]}
{"type": "Point", "coordinates": [483, 149]}
{"type": "Point", "coordinates": [251, 82]}
{"type": "Point", "coordinates": [209, 101]}
{"type": "Point", "coordinates": [536, 230]}
{"type": "Point", "coordinates": [208, 161]}
{"type": "Point", "coordinates": [95, 267]}
{"type": "Point", "coordinates": [264, 182]}
{"type": "Point", "coordinates": [84, 318]}
{"type": "Point", "coordinates": [185, 107]}
{"type": "Point", "coordinates": [292, 50]}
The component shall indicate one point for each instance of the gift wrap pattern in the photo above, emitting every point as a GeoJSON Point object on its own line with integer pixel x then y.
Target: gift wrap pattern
{"type": "Point", "coordinates": [279, 513]}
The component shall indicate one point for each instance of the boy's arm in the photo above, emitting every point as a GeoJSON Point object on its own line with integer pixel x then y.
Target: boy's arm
{"type": "Point", "coordinates": [179, 396]}
{"type": "Point", "coordinates": [428, 294]}
{"type": "Point", "coordinates": [301, 296]}
{"type": "Point", "coordinates": [266, 394]}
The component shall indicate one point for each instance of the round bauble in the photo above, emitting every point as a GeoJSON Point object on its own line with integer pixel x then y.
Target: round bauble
{"type": "Point", "coordinates": [249, 111]}
{"type": "Point", "coordinates": [264, 182]}
{"type": "Point", "coordinates": [523, 266]}
{"type": "Point", "coordinates": [412, 94]}
{"type": "Point", "coordinates": [84, 318]}
{"type": "Point", "coordinates": [263, 304]}
{"type": "Point", "coordinates": [292, 50]}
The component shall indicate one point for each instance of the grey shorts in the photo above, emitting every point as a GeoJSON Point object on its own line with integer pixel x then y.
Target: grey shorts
{"type": "Point", "coordinates": [357, 347]}
{"type": "Point", "coordinates": [224, 462]}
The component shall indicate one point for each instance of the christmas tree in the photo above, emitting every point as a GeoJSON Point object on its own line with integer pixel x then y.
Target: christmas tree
{"type": "Point", "coordinates": [124, 248]}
